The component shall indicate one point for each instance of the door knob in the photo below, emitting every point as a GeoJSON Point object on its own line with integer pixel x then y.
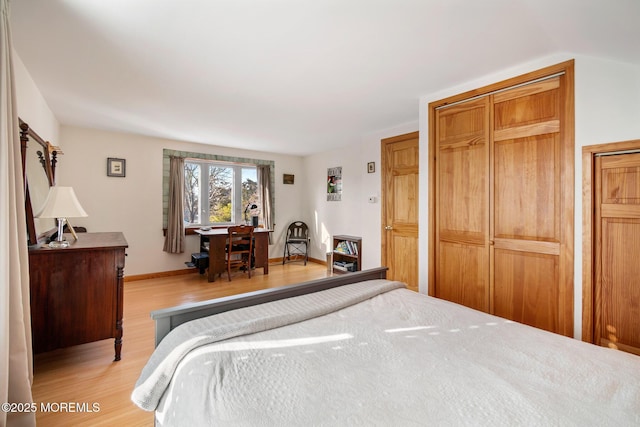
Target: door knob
{"type": "Point", "coordinates": [388, 227]}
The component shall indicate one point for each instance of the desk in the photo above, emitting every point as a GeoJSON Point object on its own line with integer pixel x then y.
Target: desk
{"type": "Point", "coordinates": [217, 238]}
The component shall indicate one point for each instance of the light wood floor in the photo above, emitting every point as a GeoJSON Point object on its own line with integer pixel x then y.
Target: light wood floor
{"type": "Point", "coordinates": [87, 373]}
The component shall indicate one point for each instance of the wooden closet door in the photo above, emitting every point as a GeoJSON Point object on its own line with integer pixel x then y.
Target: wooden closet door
{"type": "Point", "coordinates": [529, 282]}
{"type": "Point", "coordinates": [617, 287]}
{"type": "Point", "coordinates": [462, 204]}
{"type": "Point", "coordinates": [501, 163]}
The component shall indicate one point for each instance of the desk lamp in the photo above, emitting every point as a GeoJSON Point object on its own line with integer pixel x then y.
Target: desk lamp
{"type": "Point", "coordinates": [61, 203]}
{"type": "Point", "coordinates": [249, 206]}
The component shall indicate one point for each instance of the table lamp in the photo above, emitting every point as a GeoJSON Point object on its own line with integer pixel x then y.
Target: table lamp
{"type": "Point", "coordinates": [61, 203]}
{"type": "Point", "coordinates": [249, 206]}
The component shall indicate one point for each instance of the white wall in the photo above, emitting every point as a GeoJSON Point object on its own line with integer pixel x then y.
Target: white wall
{"type": "Point", "coordinates": [607, 109]}
{"type": "Point", "coordinates": [32, 107]}
{"type": "Point", "coordinates": [354, 215]}
{"type": "Point", "coordinates": [33, 110]}
{"type": "Point", "coordinates": [133, 204]}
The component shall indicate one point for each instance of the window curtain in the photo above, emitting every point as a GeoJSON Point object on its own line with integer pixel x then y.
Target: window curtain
{"type": "Point", "coordinates": [174, 239]}
{"type": "Point", "coordinates": [264, 180]}
{"type": "Point", "coordinates": [16, 363]}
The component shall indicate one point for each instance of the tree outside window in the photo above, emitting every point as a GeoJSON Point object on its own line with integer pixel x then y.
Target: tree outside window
{"type": "Point", "coordinates": [220, 194]}
{"type": "Point", "coordinates": [191, 203]}
{"type": "Point", "coordinates": [230, 189]}
{"type": "Point", "coordinates": [250, 191]}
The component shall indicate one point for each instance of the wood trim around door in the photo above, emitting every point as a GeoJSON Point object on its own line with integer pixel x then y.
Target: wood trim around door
{"type": "Point", "coordinates": [588, 217]}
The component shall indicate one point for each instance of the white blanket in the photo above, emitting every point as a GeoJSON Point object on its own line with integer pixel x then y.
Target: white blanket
{"type": "Point", "coordinates": [159, 370]}
{"type": "Point", "coordinates": [397, 358]}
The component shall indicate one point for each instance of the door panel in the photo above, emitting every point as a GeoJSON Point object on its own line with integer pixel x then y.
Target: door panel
{"type": "Point", "coordinates": [400, 166]}
{"type": "Point", "coordinates": [529, 284]}
{"type": "Point", "coordinates": [405, 188]}
{"type": "Point", "coordinates": [462, 204]}
{"type": "Point", "coordinates": [405, 248]}
{"type": "Point", "coordinates": [520, 291]}
{"type": "Point", "coordinates": [535, 103]}
{"type": "Point", "coordinates": [617, 322]}
{"type": "Point", "coordinates": [463, 274]}
{"type": "Point", "coordinates": [527, 188]}
{"type": "Point", "coordinates": [463, 180]}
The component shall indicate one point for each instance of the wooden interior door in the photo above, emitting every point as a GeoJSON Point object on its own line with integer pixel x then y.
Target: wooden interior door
{"type": "Point", "coordinates": [400, 172]}
{"type": "Point", "coordinates": [529, 281]}
{"type": "Point", "coordinates": [462, 204]}
{"type": "Point", "coordinates": [617, 249]}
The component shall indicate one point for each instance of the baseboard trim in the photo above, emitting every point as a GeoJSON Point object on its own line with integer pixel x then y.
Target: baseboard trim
{"type": "Point", "coordinates": [313, 260]}
{"type": "Point", "coordinates": [160, 274]}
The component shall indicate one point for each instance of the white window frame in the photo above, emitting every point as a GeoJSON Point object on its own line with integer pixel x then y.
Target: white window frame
{"type": "Point", "coordinates": [203, 199]}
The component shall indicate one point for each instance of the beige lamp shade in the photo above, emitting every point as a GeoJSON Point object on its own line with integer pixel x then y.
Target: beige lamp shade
{"type": "Point", "coordinates": [61, 202]}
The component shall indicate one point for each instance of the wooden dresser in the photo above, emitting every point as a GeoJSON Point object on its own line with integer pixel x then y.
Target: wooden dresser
{"type": "Point", "coordinates": [77, 292]}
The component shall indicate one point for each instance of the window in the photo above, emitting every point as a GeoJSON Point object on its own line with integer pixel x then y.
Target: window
{"type": "Point", "coordinates": [260, 171]}
{"type": "Point", "coordinates": [219, 193]}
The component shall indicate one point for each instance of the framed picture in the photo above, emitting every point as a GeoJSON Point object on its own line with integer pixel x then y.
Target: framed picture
{"type": "Point", "coordinates": [371, 167]}
{"type": "Point", "coordinates": [116, 167]}
{"type": "Point", "coordinates": [334, 184]}
{"type": "Point", "coordinates": [287, 178]}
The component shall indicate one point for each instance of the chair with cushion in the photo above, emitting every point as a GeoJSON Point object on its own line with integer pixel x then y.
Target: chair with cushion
{"type": "Point", "coordinates": [297, 242]}
{"type": "Point", "coordinates": [239, 248]}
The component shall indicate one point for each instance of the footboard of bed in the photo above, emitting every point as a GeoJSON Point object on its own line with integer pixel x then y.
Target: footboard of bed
{"type": "Point", "coordinates": [168, 318]}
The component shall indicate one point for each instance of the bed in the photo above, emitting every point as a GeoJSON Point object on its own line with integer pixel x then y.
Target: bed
{"type": "Point", "coordinates": [358, 349]}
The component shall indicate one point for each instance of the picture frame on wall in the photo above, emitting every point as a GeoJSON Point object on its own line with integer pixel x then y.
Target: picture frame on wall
{"type": "Point", "coordinates": [334, 184]}
{"type": "Point", "coordinates": [116, 167]}
{"type": "Point", "coordinates": [288, 178]}
{"type": "Point", "coordinates": [371, 167]}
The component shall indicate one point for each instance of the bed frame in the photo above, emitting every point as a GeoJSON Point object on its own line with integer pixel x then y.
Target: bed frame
{"type": "Point", "coordinates": [167, 319]}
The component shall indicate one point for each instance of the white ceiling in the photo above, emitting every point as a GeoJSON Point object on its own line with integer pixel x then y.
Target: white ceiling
{"type": "Point", "coordinates": [290, 76]}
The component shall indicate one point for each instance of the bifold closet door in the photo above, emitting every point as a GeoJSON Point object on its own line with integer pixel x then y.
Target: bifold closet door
{"type": "Point", "coordinates": [617, 287]}
{"type": "Point", "coordinates": [528, 278]}
{"type": "Point", "coordinates": [462, 204]}
{"type": "Point", "coordinates": [503, 209]}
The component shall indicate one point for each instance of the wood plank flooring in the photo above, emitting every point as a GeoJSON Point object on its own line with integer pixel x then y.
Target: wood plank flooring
{"type": "Point", "coordinates": [87, 374]}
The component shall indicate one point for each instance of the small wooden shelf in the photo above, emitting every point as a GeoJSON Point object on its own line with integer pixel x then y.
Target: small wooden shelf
{"type": "Point", "coordinates": [348, 259]}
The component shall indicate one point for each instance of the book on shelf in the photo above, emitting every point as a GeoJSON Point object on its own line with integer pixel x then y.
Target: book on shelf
{"type": "Point", "coordinates": [347, 247]}
{"type": "Point", "coordinates": [344, 266]}
{"type": "Point", "coordinates": [343, 263]}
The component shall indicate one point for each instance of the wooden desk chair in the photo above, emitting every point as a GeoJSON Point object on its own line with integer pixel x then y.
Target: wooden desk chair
{"type": "Point", "coordinates": [239, 242]}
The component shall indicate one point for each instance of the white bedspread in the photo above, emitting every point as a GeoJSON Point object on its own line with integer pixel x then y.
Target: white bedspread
{"type": "Point", "coordinates": [395, 358]}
